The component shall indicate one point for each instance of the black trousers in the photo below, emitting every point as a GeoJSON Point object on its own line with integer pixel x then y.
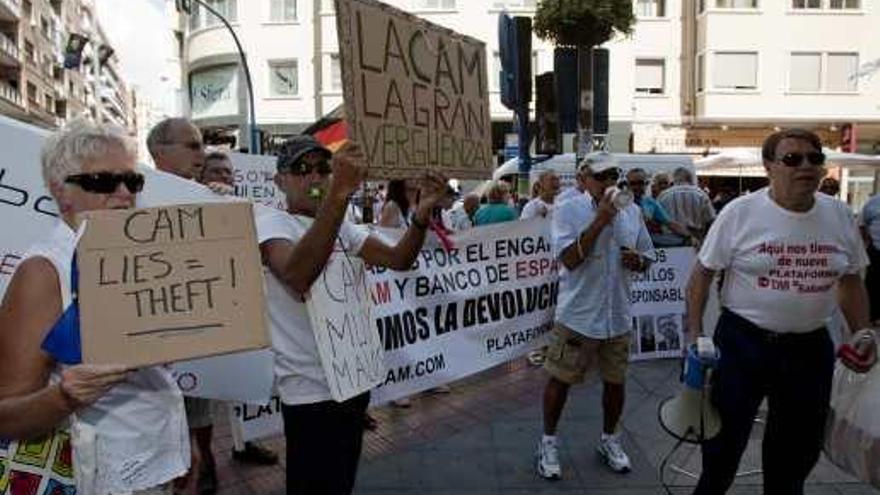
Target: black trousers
{"type": "Point", "coordinates": [324, 445]}
{"type": "Point", "coordinates": [794, 373]}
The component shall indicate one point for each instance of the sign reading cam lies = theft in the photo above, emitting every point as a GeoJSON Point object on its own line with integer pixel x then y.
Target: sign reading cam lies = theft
{"type": "Point", "coordinates": [159, 285]}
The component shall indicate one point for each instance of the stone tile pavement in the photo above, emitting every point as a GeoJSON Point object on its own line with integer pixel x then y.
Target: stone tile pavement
{"type": "Point", "coordinates": [480, 440]}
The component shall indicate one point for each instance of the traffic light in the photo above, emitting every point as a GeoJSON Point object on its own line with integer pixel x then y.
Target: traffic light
{"type": "Point", "coordinates": [515, 52]}
{"type": "Point", "coordinates": [565, 65]}
{"type": "Point", "coordinates": [600, 91]}
{"type": "Point", "coordinates": [547, 138]}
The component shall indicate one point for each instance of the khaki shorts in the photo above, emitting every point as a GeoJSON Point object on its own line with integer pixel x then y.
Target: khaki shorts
{"type": "Point", "coordinates": [571, 355]}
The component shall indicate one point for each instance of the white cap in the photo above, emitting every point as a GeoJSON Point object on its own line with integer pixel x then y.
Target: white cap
{"type": "Point", "coordinates": [599, 161]}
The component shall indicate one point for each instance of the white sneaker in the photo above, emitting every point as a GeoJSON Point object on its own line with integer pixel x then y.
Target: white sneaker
{"type": "Point", "coordinates": [609, 447]}
{"type": "Point", "coordinates": [548, 459]}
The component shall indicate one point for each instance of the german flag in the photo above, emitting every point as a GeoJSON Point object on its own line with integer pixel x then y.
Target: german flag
{"type": "Point", "coordinates": [331, 130]}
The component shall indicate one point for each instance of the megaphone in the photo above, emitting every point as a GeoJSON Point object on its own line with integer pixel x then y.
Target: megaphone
{"type": "Point", "coordinates": [690, 416]}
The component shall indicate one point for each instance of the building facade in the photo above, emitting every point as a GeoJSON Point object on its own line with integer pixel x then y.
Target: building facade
{"type": "Point", "coordinates": [36, 87]}
{"type": "Point", "coordinates": [695, 76]}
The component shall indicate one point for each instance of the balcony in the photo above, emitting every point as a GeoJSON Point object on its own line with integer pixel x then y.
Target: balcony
{"type": "Point", "coordinates": [8, 52]}
{"type": "Point", "coordinates": [10, 10]}
{"type": "Point", "coordinates": [10, 94]}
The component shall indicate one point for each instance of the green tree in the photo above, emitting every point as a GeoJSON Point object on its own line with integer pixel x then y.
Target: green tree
{"type": "Point", "coordinates": [583, 22]}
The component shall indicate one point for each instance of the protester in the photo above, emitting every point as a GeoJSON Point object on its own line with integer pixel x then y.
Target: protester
{"type": "Point", "coordinates": [177, 148]}
{"type": "Point", "coordinates": [126, 426]}
{"type": "Point", "coordinates": [723, 198]}
{"type": "Point", "coordinates": [598, 247]}
{"type": "Point", "coordinates": [217, 174]}
{"type": "Point", "coordinates": [497, 209]}
{"type": "Point", "coordinates": [830, 186]}
{"type": "Point", "coordinates": [401, 195]}
{"type": "Point", "coordinates": [687, 204]}
{"type": "Point", "coordinates": [790, 257]}
{"type": "Point", "coordinates": [461, 216]}
{"type": "Point", "coordinates": [869, 226]}
{"type": "Point", "coordinates": [654, 214]}
{"type": "Point", "coordinates": [660, 183]}
{"type": "Point", "coordinates": [541, 204]}
{"type": "Point", "coordinates": [323, 436]}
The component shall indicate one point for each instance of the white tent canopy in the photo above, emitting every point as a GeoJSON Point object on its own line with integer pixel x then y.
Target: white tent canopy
{"type": "Point", "coordinates": [747, 162]}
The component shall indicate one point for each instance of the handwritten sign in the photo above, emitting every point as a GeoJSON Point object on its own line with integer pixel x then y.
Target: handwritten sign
{"type": "Point", "coordinates": [339, 307]}
{"type": "Point", "coordinates": [416, 94]}
{"type": "Point", "coordinates": [159, 285]}
{"type": "Point", "coordinates": [253, 177]}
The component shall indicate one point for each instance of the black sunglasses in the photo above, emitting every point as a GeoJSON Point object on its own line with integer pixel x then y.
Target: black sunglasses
{"type": "Point", "coordinates": [107, 182]}
{"type": "Point", "coordinates": [607, 175]}
{"type": "Point", "coordinates": [190, 145]}
{"type": "Point", "coordinates": [303, 168]}
{"type": "Point", "coordinates": [815, 158]}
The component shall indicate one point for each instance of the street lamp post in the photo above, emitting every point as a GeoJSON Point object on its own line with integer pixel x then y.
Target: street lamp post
{"type": "Point", "coordinates": [254, 133]}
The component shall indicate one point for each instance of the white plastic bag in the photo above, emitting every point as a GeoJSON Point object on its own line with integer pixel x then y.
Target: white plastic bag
{"type": "Point", "coordinates": [852, 439]}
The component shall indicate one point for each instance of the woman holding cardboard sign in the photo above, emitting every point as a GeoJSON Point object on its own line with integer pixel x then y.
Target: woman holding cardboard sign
{"type": "Point", "coordinates": [83, 428]}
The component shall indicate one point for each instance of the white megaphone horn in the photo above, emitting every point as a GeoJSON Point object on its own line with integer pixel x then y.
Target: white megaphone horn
{"type": "Point", "coordinates": [690, 416]}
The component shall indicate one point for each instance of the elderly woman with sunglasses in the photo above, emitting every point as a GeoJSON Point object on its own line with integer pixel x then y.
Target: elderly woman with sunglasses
{"type": "Point", "coordinates": [790, 257]}
{"type": "Point", "coordinates": [91, 429]}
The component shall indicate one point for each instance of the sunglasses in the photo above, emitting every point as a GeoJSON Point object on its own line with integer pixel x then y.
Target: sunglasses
{"type": "Point", "coordinates": [303, 168]}
{"type": "Point", "coordinates": [107, 182]}
{"type": "Point", "coordinates": [815, 158]}
{"type": "Point", "coordinates": [191, 145]}
{"type": "Point", "coordinates": [607, 175]}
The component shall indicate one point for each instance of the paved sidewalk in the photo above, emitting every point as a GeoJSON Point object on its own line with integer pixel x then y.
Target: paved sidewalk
{"type": "Point", "coordinates": [480, 439]}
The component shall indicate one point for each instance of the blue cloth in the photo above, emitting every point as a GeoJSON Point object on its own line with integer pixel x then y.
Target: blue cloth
{"type": "Point", "coordinates": [495, 213]}
{"type": "Point", "coordinates": [63, 341]}
{"type": "Point", "coordinates": [653, 211]}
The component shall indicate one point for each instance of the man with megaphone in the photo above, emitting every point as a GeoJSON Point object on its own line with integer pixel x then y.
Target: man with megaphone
{"type": "Point", "coordinates": [790, 256]}
{"type": "Point", "coordinates": [600, 238]}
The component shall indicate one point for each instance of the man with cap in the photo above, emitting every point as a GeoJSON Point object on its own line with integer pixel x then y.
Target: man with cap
{"type": "Point", "coordinates": [599, 243]}
{"type": "Point", "coordinates": [324, 437]}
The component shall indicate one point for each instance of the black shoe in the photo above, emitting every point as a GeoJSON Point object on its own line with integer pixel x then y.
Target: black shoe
{"type": "Point", "coordinates": [207, 482]}
{"type": "Point", "coordinates": [255, 454]}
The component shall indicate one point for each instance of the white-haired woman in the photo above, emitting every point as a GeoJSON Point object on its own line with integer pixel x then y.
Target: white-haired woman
{"type": "Point", "coordinates": [80, 428]}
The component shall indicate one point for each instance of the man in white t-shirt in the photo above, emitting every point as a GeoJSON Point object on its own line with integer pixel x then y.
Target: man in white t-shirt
{"type": "Point", "coordinates": [323, 436]}
{"type": "Point", "coordinates": [790, 257]}
{"type": "Point", "coordinates": [599, 247]}
{"type": "Point", "coordinates": [542, 204]}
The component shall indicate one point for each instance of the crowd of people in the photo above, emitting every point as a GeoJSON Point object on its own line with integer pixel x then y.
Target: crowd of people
{"type": "Point", "coordinates": [130, 430]}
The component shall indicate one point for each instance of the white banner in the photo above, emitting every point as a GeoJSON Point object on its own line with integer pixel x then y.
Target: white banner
{"type": "Point", "coordinates": [658, 309]}
{"type": "Point", "coordinates": [488, 300]}
{"type": "Point", "coordinates": [339, 309]}
{"type": "Point", "coordinates": [258, 420]}
{"type": "Point", "coordinates": [253, 177]}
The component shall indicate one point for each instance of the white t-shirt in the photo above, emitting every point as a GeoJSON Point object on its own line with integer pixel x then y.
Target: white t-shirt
{"type": "Point", "coordinates": [298, 371]}
{"type": "Point", "coordinates": [536, 207]}
{"type": "Point", "coordinates": [782, 266]}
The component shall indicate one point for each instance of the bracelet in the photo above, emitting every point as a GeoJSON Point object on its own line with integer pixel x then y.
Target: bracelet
{"type": "Point", "coordinates": [420, 225]}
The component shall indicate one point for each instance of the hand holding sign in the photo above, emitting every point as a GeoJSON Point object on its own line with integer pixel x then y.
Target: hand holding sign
{"type": "Point", "coordinates": [83, 384]}
{"type": "Point", "coordinates": [431, 193]}
{"type": "Point", "coordinates": [349, 170]}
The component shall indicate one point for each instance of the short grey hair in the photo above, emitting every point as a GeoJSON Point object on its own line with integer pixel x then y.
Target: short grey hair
{"type": "Point", "coordinates": [80, 141]}
{"type": "Point", "coordinates": [683, 175]}
{"type": "Point", "coordinates": [163, 133]}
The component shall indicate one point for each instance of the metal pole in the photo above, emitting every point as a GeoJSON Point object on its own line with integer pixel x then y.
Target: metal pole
{"type": "Point", "coordinates": [254, 133]}
{"type": "Point", "coordinates": [525, 158]}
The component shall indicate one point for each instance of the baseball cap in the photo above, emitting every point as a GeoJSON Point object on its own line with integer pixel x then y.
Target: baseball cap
{"type": "Point", "coordinates": [598, 162]}
{"type": "Point", "coordinates": [296, 147]}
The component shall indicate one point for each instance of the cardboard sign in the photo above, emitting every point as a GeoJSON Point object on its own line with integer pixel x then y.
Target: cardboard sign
{"type": "Point", "coordinates": [339, 308]}
{"type": "Point", "coordinates": [253, 177]}
{"type": "Point", "coordinates": [166, 284]}
{"type": "Point", "coordinates": [416, 94]}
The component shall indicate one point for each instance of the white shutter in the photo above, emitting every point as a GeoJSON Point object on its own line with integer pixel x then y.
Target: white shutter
{"type": "Point", "coordinates": [735, 70]}
{"type": "Point", "coordinates": [842, 68]}
{"type": "Point", "coordinates": [806, 72]}
{"type": "Point", "coordinates": [649, 76]}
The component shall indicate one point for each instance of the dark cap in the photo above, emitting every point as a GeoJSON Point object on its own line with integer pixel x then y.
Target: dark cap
{"type": "Point", "coordinates": [295, 148]}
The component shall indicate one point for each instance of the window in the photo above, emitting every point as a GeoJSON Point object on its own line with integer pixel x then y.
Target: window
{"type": "Point", "coordinates": [283, 79]}
{"type": "Point", "coordinates": [201, 18]}
{"type": "Point", "coordinates": [842, 68]}
{"type": "Point", "coordinates": [735, 70]}
{"type": "Point", "coordinates": [32, 93]}
{"type": "Point", "coordinates": [29, 51]}
{"type": "Point", "coordinates": [806, 72]}
{"type": "Point", "coordinates": [514, 4]}
{"type": "Point", "coordinates": [335, 73]}
{"type": "Point", "coordinates": [434, 4]}
{"type": "Point", "coordinates": [844, 4]}
{"type": "Point", "coordinates": [806, 4]}
{"type": "Point", "coordinates": [282, 10]}
{"type": "Point", "coordinates": [50, 103]}
{"type": "Point", "coordinates": [651, 8]}
{"type": "Point", "coordinates": [736, 4]}
{"type": "Point", "coordinates": [650, 76]}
